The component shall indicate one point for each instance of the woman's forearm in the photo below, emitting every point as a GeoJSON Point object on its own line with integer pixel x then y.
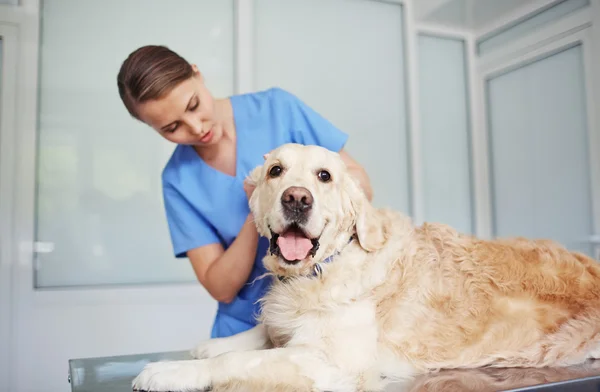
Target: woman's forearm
{"type": "Point", "coordinates": [227, 275]}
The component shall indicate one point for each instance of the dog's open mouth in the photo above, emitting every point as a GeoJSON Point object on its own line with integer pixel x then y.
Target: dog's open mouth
{"type": "Point", "coordinates": [293, 245]}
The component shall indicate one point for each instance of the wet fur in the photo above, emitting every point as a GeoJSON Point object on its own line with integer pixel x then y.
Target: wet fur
{"type": "Point", "coordinates": [404, 300]}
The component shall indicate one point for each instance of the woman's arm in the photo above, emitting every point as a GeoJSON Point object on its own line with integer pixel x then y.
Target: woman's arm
{"type": "Point", "coordinates": [224, 272]}
{"type": "Point", "coordinates": [359, 173]}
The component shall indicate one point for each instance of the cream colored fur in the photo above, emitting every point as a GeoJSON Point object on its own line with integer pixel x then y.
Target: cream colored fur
{"type": "Point", "coordinates": [398, 301]}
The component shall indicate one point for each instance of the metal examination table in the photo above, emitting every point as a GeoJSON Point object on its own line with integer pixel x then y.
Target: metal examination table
{"type": "Point", "coordinates": [114, 374]}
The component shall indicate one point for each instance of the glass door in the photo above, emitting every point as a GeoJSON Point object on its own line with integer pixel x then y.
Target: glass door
{"type": "Point", "coordinates": [8, 69]}
{"type": "Point", "coordinates": [5, 295]}
{"type": "Point", "coordinates": [542, 150]}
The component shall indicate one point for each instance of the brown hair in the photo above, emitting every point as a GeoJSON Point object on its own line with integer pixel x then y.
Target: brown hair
{"type": "Point", "coordinates": [148, 73]}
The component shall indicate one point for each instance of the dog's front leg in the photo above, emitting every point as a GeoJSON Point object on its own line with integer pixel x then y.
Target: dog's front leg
{"type": "Point", "coordinates": [253, 339]}
{"type": "Point", "coordinates": [294, 367]}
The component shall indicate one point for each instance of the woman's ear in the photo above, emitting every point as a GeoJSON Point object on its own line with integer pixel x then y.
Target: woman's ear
{"type": "Point", "coordinates": [197, 73]}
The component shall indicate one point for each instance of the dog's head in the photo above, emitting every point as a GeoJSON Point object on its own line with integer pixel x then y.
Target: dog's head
{"type": "Point", "coordinates": [309, 206]}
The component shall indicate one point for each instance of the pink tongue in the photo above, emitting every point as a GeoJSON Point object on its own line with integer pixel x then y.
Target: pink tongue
{"type": "Point", "coordinates": [294, 246]}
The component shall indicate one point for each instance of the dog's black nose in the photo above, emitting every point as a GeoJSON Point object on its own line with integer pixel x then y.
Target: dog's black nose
{"type": "Point", "coordinates": [297, 199]}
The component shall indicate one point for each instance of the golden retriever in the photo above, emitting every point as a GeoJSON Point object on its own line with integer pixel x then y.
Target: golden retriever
{"type": "Point", "coordinates": [361, 296]}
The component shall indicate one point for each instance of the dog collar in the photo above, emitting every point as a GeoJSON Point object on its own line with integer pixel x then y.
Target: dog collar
{"type": "Point", "coordinates": [317, 270]}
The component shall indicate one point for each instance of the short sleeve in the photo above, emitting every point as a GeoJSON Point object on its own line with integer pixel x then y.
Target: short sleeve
{"type": "Point", "coordinates": [310, 128]}
{"type": "Point", "coordinates": [187, 227]}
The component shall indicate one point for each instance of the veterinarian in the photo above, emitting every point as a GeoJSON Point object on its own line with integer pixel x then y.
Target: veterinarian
{"type": "Point", "coordinates": [219, 141]}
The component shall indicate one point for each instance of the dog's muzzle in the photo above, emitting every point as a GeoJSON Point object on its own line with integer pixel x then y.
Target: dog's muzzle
{"type": "Point", "coordinates": [293, 244]}
{"type": "Point", "coordinates": [297, 203]}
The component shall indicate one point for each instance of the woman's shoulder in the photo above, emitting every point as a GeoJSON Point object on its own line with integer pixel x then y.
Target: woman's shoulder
{"type": "Point", "coordinates": [270, 96]}
{"type": "Point", "coordinates": [254, 109]}
{"type": "Point", "coordinates": [281, 95]}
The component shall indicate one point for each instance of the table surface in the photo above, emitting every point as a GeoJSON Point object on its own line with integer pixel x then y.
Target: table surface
{"type": "Point", "coordinates": [115, 374]}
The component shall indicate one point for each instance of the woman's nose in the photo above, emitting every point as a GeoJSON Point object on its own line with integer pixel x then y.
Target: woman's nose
{"type": "Point", "coordinates": [196, 127]}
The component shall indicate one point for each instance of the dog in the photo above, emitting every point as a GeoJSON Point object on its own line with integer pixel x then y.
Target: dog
{"type": "Point", "coordinates": [362, 297]}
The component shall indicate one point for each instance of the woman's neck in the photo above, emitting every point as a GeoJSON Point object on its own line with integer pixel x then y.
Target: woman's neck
{"type": "Point", "coordinates": [224, 112]}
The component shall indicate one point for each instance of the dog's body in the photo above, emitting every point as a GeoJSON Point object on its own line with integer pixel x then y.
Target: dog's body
{"type": "Point", "coordinates": [378, 298]}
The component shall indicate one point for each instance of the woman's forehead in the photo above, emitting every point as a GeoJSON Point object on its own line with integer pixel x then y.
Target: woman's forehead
{"type": "Point", "coordinates": [163, 111]}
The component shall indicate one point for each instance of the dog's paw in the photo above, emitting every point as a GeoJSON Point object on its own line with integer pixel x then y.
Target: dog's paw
{"type": "Point", "coordinates": [211, 348]}
{"type": "Point", "coordinates": [173, 376]}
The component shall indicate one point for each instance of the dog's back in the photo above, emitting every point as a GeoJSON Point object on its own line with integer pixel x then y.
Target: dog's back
{"type": "Point", "coordinates": [456, 301]}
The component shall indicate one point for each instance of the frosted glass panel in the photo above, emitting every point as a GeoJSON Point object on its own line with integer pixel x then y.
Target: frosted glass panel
{"type": "Point", "coordinates": [1, 65]}
{"type": "Point", "coordinates": [344, 59]}
{"type": "Point", "coordinates": [99, 206]}
{"type": "Point", "coordinates": [539, 145]}
{"type": "Point", "coordinates": [530, 24]}
{"type": "Point", "coordinates": [445, 132]}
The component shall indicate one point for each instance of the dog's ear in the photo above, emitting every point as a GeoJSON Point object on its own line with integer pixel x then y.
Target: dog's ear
{"type": "Point", "coordinates": [369, 222]}
{"type": "Point", "coordinates": [370, 227]}
{"type": "Point", "coordinates": [253, 180]}
{"type": "Point", "coordinates": [254, 176]}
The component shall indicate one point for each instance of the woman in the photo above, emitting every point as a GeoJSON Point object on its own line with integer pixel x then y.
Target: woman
{"type": "Point", "coordinates": [219, 141]}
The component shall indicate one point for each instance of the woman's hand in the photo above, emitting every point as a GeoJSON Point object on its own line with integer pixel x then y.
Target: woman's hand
{"type": "Point", "coordinates": [249, 186]}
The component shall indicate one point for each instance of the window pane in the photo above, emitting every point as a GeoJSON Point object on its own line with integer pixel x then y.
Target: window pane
{"type": "Point", "coordinates": [539, 148]}
{"type": "Point", "coordinates": [345, 60]}
{"type": "Point", "coordinates": [1, 64]}
{"type": "Point", "coordinates": [99, 203]}
{"type": "Point", "coordinates": [445, 150]}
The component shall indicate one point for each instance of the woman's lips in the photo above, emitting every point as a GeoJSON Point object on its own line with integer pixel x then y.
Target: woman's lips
{"type": "Point", "coordinates": [206, 138]}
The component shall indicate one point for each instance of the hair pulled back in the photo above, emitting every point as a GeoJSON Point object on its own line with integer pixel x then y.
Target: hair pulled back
{"type": "Point", "coordinates": [149, 73]}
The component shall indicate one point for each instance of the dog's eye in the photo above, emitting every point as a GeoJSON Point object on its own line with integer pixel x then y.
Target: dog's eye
{"type": "Point", "coordinates": [275, 171]}
{"type": "Point", "coordinates": [324, 175]}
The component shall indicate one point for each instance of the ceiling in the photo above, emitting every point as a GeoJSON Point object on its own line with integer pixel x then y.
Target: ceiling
{"type": "Point", "coordinates": [472, 15]}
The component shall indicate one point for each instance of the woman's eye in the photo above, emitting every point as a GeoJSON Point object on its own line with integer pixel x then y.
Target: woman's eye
{"type": "Point", "coordinates": [275, 171]}
{"type": "Point", "coordinates": [324, 176]}
{"type": "Point", "coordinates": [195, 106]}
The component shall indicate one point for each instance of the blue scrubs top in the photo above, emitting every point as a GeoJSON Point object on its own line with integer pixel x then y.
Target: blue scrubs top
{"type": "Point", "coordinates": [204, 205]}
